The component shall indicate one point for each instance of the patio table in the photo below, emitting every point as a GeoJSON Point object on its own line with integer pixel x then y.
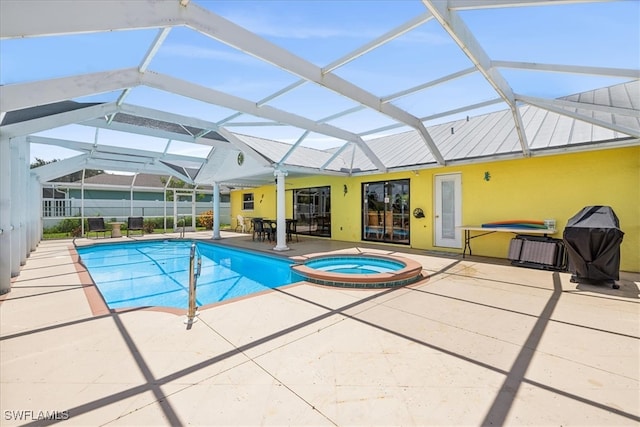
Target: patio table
{"type": "Point", "coordinates": [115, 229]}
{"type": "Point", "coordinates": [490, 230]}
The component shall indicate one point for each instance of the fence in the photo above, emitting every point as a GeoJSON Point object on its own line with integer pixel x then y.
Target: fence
{"type": "Point", "coordinates": [56, 210]}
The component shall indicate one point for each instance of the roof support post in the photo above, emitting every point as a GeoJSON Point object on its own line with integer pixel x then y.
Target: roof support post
{"type": "Point", "coordinates": [164, 201]}
{"type": "Point", "coordinates": [23, 171]}
{"type": "Point", "coordinates": [216, 210]}
{"type": "Point", "coordinates": [281, 222]}
{"type": "Point", "coordinates": [82, 202]}
{"type": "Point", "coordinates": [36, 211]}
{"type": "Point", "coordinates": [5, 216]}
{"type": "Point", "coordinates": [15, 208]}
{"type": "Point", "coordinates": [133, 183]}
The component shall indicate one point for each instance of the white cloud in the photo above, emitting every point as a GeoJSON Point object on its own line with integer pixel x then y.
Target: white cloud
{"type": "Point", "coordinates": [266, 26]}
{"type": "Point", "coordinates": [197, 52]}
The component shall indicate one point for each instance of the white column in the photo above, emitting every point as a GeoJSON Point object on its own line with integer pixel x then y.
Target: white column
{"type": "Point", "coordinates": [23, 169]}
{"type": "Point", "coordinates": [82, 203]}
{"type": "Point", "coordinates": [175, 211]}
{"type": "Point", "coordinates": [216, 211]}
{"type": "Point", "coordinates": [15, 209]}
{"type": "Point", "coordinates": [133, 182]}
{"type": "Point", "coordinates": [5, 216]}
{"type": "Point", "coordinates": [36, 211]}
{"type": "Point", "coordinates": [281, 232]}
{"type": "Point", "coordinates": [193, 210]}
{"type": "Point", "coordinates": [33, 187]}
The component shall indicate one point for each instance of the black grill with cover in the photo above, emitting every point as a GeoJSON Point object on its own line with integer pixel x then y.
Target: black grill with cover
{"type": "Point", "coordinates": [592, 240]}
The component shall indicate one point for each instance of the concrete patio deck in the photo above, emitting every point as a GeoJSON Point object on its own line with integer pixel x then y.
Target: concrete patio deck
{"type": "Point", "coordinates": [476, 343]}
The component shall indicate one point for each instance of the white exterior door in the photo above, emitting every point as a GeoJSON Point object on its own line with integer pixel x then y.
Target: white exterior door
{"type": "Point", "coordinates": [448, 210]}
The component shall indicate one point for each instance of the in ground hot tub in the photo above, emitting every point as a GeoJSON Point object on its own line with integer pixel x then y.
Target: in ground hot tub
{"type": "Point", "coordinates": [359, 271]}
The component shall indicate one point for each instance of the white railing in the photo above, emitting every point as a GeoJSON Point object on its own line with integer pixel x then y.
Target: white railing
{"type": "Point", "coordinates": [195, 268]}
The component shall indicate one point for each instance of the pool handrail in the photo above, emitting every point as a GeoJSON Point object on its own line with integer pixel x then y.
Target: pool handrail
{"type": "Point", "coordinates": [193, 279]}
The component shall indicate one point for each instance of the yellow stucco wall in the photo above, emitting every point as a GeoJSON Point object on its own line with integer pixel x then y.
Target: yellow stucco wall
{"type": "Point", "coordinates": [538, 188]}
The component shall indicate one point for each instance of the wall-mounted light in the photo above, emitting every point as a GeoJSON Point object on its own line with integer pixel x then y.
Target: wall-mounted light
{"type": "Point", "coordinates": [345, 189]}
{"type": "Point", "coordinates": [487, 176]}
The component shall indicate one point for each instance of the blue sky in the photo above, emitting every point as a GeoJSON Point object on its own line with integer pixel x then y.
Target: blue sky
{"type": "Point", "coordinates": [601, 34]}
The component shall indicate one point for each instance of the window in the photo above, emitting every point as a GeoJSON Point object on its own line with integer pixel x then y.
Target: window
{"type": "Point", "coordinates": [247, 202]}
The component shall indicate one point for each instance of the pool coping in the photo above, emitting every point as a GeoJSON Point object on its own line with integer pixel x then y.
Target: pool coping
{"type": "Point", "coordinates": [410, 273]}
{"type": "Point", "coordinates": [99, 306]}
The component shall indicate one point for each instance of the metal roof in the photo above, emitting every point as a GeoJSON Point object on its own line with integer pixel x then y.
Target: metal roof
{"type": "Point", "coordinates": [410, 128]}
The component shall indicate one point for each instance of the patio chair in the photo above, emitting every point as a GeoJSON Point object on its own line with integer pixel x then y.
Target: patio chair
{"type": "Point", "coordinates": [135, 223]}
{"type": "Point", "coordinates": [258, 229]}
{"type": "Point", "coordinates": [292, 228]}
{"type": "Point", "coordinates": [270, 230]}
{"type": "Point", "coordinates": [96, 225]}
{"type": "Point", "coordinates": [241, 225]}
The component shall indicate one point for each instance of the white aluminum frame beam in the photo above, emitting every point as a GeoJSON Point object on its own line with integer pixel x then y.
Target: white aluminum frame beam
{"type": "Point", "coordinates": [293, 147]}
{"type": "Point", "coordinates": [103, 150]}
{"type": "Point", "coordinates": [579, 105]}
{"type": "Point", "coordinates": [235, 36]}
{"type": "Point", "coordinates": [570, 69]}
{"type": "Point", "coordinates": [437, 115]}
{"type": "Point", "coordinates": [156, 169]}
{"type": "Point", "coordinates": [491, 4]}
{"type": "Point", "coordinates": [108, 16]}
{"type": "Point", "coordinates": [429, 84]}
{"type": "Point", "coordinates": [56, 120]}
{"type": "Point", "coordinates": [379, 41]}
{"type": "Point", "coordinates": [96, 17]}
{"type": "Point", "coordinates": [60, 168]}
{"type": "Point", "coordinates": [139, 130]}
{"type": "Point", "coordinates": [144, 64]}
{"type": "Point", "coordinates": [334, 156]}
{"type": "Point", "coordinates": [25, 95]}
{"type": "Point", "coordinates": [464, 38]}
{"type": "Point", "coordinates": [559, 109]}
{"type": "Point", "coordinates": [385, 38]}
{"type": "Point", "coordinates": [212, 96]}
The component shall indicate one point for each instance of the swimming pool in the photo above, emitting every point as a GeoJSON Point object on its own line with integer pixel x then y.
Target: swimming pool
{"type": "Point", "coordinates": [155, 273]}
{"type": "Point", "coordinates": [360, 271]}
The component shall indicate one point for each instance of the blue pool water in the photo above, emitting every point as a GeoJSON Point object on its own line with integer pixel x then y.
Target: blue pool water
{"type": "Point", "coordinates": [354, 265]}
{"type": "Point", "coordinates": [157, 273]}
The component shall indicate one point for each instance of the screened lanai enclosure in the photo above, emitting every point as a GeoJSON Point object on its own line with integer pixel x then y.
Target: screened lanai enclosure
{"type": "Point", "coordinates": [247, 94]}
{"type": "Point", "coordinates": [117, 197]}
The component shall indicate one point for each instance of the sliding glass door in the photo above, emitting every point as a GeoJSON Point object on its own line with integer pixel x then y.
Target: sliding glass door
{"type": "Point", "coordinates": [312, 209]}
{"type": "Point", "coordinates": [385, 211]}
